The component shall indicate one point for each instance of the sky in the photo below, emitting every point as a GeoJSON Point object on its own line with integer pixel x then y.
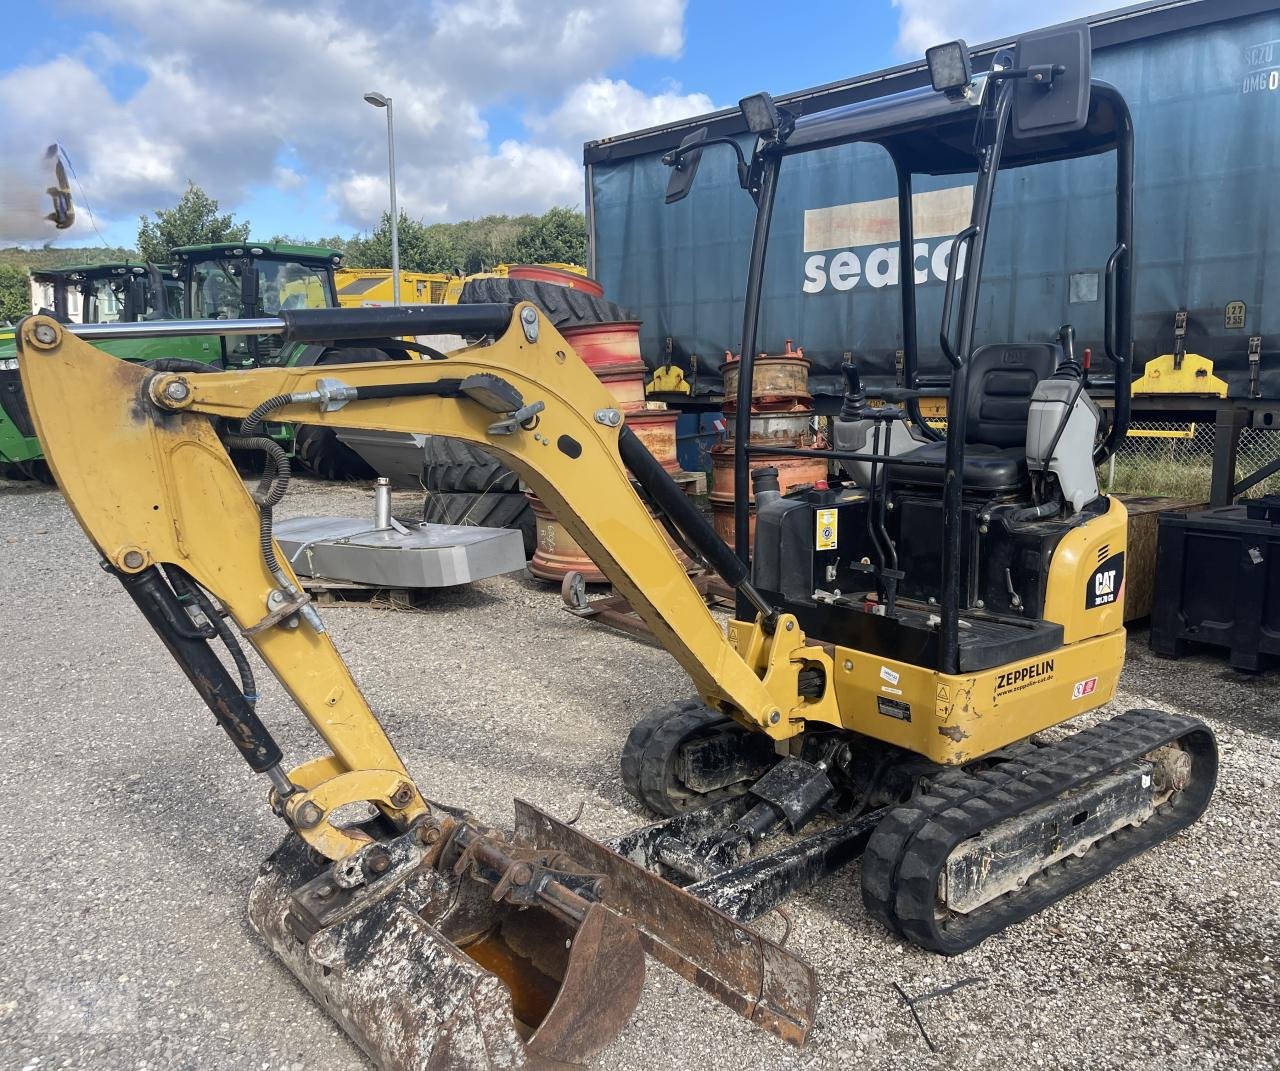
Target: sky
{"type": "Point", "coordinates": [260, 103]}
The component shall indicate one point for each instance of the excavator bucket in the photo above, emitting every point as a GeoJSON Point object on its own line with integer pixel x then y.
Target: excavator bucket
{"type": "Point", "coordinates": [470, 950]}
{"type": "Point", "coordinates": [432, 971]}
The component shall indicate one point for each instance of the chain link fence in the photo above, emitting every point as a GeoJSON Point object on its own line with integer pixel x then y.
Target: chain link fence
{"type": "Point", "coordinates": [1175, 460]}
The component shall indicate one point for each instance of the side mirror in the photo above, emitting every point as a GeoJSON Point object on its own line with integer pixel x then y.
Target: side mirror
{"type": "Point", "coordinates": [684, 166]}
{"type": "Point", "coordinates": [1053, 96]}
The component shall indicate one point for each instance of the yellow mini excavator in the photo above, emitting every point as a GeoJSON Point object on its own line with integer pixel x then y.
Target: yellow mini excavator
{"type": "Point", "coordinates": [902, 635]}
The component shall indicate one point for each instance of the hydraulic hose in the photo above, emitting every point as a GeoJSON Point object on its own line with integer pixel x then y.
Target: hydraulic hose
{"type": "Point", "coordinates": [186, 588]}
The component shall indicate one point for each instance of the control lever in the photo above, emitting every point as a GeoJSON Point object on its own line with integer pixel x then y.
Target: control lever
{"type": "Point", "coordinates": [521, 418]}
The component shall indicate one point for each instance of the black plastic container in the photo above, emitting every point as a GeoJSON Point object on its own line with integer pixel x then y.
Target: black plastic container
{"type": "Point", "coordinates": [1218, 582]}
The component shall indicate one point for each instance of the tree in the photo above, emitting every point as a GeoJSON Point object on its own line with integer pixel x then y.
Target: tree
{"type": "Point", "coordinates": [194, 220]}
{"type": "Point", "coordinates": [15, 293]}
{"type": "Point", "coordinates": [422, 248]}
{"type": "Point", "coordinates": [559, 235]}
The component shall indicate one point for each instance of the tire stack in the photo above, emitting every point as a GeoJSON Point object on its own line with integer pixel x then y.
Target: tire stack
{"type": "Point", "coordinates": [467, 485]}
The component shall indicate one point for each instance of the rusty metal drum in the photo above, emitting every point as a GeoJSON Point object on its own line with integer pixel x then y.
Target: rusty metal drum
{"type": "Point", "coordinates": [606, 347]}
{"type": "Point", "coordinates": [793, 472]}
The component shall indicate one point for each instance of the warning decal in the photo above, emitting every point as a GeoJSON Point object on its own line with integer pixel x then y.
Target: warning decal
{"type": "Point", "coordinates": [828, 526]}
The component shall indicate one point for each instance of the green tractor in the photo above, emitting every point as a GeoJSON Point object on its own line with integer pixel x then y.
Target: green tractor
{"type": "Point", "coordinates": [230, 280]}
{"type": "Point", "coordinates": [246, 280]}
{"type": "Point", "coordinates": [123, 292]}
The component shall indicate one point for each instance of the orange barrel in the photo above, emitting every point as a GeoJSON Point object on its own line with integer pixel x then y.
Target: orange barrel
{"type": "Point", "coordinates": [656, 428]}
{"type": "Point", "coordinates": [606, 347]}
{"type": "Point", "coordinates": [793, 472]}
{"type": "Point", "coordinates": [544, 273]}
{"type": "Point", "coordinates": [626, 384]}
{"type": "Point", "coordinates": [558, 554]}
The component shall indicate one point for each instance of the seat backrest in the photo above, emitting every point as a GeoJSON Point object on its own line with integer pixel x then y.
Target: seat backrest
{"type": "Point", "coordinates": [1001, 379]}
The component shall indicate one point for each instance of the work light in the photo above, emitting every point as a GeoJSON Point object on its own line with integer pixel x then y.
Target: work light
{"type": "Point", "coordinates": [760, 113]}
{"type": "Point", "coordinates": [949, 66]}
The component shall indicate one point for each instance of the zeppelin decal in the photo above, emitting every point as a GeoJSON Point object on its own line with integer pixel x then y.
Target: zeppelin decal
{"type": "Point", "coordinates": [1016, 680]}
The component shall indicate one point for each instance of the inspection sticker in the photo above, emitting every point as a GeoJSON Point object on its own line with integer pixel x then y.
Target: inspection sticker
{"type": "Point", "coordinates": [828, 525]}
{"type": "Point", "coordinates": [887, 674]}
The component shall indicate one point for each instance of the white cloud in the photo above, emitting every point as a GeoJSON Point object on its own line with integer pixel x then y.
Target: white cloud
{"type": "Point", "coordinates": [236, 94]}
{"type": "Point", "coordinates": [602, 107]}
{"type": "Point", "coordinates": [922, 23]}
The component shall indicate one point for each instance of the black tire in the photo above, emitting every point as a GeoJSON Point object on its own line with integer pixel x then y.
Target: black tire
{"type": "Point", "coordinates": [561, 305]}
{"type": "Point", "coordinates": [319, 450]}
{"type": "Point", "coordinates": [321, 453]}
{"type": "Point", "coordinates": [39, 471]}
{"type": "Point", "coordinates": [455, 465]}
{"type": "Point", "coordinates": [500, 510]}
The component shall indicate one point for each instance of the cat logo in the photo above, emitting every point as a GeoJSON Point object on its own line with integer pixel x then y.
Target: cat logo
{"type": "Point", "coordinates": [1106, 583]}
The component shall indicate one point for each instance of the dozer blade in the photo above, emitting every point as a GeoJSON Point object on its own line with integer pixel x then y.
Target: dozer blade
{"type": "Point", "coordinates": [427, 969]}
{"type": "Point", "coordinates": [755, 977]}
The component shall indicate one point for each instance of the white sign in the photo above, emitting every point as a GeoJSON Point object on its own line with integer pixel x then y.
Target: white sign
{"type": "Point", "coordinates": [846, 228]}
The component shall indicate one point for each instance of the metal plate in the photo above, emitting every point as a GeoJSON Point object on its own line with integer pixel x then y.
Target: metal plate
{"type": "Point", "coordinates": [422, 556]}
{"type": "Point", "coordinates": [746, 972]}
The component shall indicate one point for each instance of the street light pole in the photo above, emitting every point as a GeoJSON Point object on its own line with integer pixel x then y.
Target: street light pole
{"type": "Point", "coordinates": [378, 100]}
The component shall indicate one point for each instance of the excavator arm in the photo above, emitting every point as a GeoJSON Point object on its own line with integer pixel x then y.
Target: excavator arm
{"type": "Point", "coordinates": [139, 461]}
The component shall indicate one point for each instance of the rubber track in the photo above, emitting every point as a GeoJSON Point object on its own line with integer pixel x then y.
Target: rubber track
{"type": "Point", "coordinates": [660, 754]}
{"type": "Point", "coordinates": [909, 849]}
{"type": "Point", "coordinates": [455, 465]}
{"type": "Point", "coordinates": [638, 740]}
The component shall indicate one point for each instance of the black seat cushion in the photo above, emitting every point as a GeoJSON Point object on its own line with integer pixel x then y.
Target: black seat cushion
{"type": "Point", "coordinates": [1001, 379]}
{"type": "Point", "coordinates": [986, 468]}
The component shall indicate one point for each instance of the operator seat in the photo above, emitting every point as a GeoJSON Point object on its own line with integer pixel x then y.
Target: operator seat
{"type": "Point", "coordinates": [1002, 377]}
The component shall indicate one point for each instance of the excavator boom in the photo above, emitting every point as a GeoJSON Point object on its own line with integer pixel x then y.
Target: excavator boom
{"type": "Point", "coordinates": [138, 455]}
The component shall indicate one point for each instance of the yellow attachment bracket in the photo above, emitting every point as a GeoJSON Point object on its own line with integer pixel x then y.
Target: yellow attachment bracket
{"type": "Point", "coordinates": [311, 809]}
{"type": "Point", "coordinates": [1163, 375]}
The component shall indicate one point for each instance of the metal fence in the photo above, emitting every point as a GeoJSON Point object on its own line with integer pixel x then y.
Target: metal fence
{"type": "Point", "coordinates": [1176, 460]}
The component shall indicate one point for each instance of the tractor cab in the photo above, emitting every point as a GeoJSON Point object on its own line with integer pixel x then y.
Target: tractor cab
{"type": "Point", "coordinates": [124, 292]}
{"type": "Point", "coordinates": [940, 548]}
{"type": "Point", "coordinates": [230, 281]}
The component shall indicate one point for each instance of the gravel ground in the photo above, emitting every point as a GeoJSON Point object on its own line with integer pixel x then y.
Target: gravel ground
{"type": "Point", "coordinates": [131, 833]}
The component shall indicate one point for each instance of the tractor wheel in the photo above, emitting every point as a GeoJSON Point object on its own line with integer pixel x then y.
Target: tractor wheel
{"type": "Point", "coordinates": [562, 306]}
{"type": "Point", "coordinates": [455, 465]}
{"type": "Point", "coordinates": [503, 509]}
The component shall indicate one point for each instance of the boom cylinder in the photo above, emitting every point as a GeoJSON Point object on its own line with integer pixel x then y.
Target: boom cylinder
{"type": "Point", "coordinates": [668, 496]}
{"type": "Point", "coordinates": [203, 668]}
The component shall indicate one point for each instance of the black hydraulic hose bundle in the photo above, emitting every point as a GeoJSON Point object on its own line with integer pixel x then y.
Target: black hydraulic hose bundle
{"type": "Point", "coordinates": [186, 589]}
